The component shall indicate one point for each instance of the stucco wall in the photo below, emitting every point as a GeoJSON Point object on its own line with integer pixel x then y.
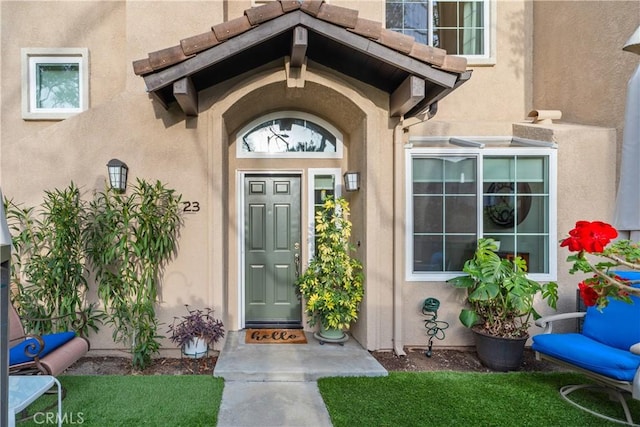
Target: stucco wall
{"type": "Point", "coordinates": [96, 26]}
{"type": "Point", "coordinates": [193, 155]}
{"type": "Point", "coordinates": [579, 66]}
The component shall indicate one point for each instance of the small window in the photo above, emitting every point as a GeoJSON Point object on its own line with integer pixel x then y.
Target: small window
{"type": "Point", "coordinates": [289, 134]}
{"type": "Point", "coordinates": [322, 183]}
{"type": "Point", "coordinates": [458, 26]}
{"type": "Point", "coordinates": [55, 83]}
{"type": "Point", "coordinates": [457, 195]}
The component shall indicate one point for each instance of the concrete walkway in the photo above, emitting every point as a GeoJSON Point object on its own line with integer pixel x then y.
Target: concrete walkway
{"type": "Point", "coordinates": [272, 385]}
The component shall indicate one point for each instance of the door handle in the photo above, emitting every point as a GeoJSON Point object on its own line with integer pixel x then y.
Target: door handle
{"type": "Point", "coordinates": [296, 261]}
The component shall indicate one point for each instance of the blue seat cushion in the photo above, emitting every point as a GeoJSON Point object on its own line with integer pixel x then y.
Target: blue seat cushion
{"type": "Point", "coordinates": [51, 342]}
{"type": "Point", "coordinates": [617, 325]}
{"type": "Point", "coordinates": [582, 351]}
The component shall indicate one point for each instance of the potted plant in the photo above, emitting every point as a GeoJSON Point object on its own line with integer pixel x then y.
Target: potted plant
{"type": "Point", "coordinates": [332, 285]}
{"type": "Point", "coordinates": [501, 304]}
{"type": "Point", "coordinates": [196, 331]}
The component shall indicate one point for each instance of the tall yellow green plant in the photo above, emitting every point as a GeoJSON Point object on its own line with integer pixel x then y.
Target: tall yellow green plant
{"type": "Point", "coordinates": [130, 241]}
{"type": "Point", "coordinates": [332, 285]}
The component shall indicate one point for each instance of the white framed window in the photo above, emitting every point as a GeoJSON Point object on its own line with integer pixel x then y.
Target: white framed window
{"type": "Point", "coordinates": [461, 27]}
{"type": "Point", "coordinates": [321, 182]}
{"type": "Point", "coordinates": [289, 134]}
{"type": "Point", "coordinates": [456, 195]}
{"type": "Point", "coordinates": [55, 82]}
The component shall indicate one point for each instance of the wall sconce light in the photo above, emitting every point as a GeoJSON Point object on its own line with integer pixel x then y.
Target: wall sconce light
{"type": "Point", "coordinates": [117, 175]}
{"type": "Point", "coordinates": [352, 181]}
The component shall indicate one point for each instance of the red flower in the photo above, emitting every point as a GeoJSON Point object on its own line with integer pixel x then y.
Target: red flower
{"type": "Point", "coordinates": [588, 294]}
{"type": "Point", "coordinates": [590, 236]}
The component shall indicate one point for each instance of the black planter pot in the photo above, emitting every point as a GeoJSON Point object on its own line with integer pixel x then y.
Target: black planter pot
{"type": "Point", "coordinates": [499, 354]}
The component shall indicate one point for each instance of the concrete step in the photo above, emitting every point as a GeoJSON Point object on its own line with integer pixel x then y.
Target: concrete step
{"type": "Point", "coordinates": [293, 362]}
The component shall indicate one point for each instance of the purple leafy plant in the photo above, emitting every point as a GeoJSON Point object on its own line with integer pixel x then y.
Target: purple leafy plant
{"type": "Point", "coordinates": [197, 324]}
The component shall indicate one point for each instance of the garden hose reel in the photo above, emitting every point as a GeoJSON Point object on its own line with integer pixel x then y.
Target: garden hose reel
{"type": "Point", "coordinates": [435, 328]}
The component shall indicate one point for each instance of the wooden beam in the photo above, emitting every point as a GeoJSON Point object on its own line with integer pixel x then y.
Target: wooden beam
{"type": "Point", "coordinates": [295, 75]}
{"type": "Point", "coordinates": [186, 95]}
{"type": "Point", "coordinates": [435, 93]}
{"type": "Point", "coordinates": [299, 46]}
{"type": "Point", "coordinates": [159, 99]}
{"type": "Point", "coordinates": [410, 92]}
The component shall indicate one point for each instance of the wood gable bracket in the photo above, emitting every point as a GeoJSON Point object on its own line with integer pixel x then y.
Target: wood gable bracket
{"type": "Point", "coordinates": [186, 95]}
{"type": "Point", "coordinates": [406, 96]}
{"type": "Point", "coordinates": [299, 46]}
{"type": "Point", "coordinates": [295, 65]}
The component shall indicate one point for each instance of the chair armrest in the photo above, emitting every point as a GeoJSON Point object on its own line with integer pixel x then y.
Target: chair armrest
{"type": "Point", "coordinates": [546, 322]}
{"type": "Point", "coordinates": [34, 349]}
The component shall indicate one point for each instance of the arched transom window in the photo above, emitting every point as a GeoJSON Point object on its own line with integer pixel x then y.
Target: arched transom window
{"type": "Point", "coordinates": [289, 134]}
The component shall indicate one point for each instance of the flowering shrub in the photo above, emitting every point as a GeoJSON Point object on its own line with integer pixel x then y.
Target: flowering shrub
{"type": "Point", "coordinates": [597, 255]}
{"type": "Point", "coordinates": [333, 283]}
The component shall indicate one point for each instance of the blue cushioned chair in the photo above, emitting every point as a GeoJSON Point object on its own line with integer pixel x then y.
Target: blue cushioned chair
{"type": "Point", "coordinates": [607, 350]}
{"type": "Point", "coordinates": [42, 354]}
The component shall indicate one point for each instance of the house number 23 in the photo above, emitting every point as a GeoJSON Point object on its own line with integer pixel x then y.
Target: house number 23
{"type": "Point", "coordinates": [191, 207]}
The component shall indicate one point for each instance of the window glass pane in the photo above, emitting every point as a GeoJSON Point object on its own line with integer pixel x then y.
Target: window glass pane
{"type": "Point", "coordinates": [515, 208]}
{"type": "Point", "coordinates": [536, 219]}
{"type": "Point", "coordinates": [427, 170]}
{"type": "Point", "coordinates": [57, 85]}
{"type": "Point", "coordinates": [428, 214]}
{"type": "Point", "coordinates": [534, 250]}
{"type": "Point", "coordinates": [446, 39]}
{"type": "Point", "coordinates": [516, 211]}
{"type": "Point", "coordinates": [415, 16]}
{"type": "Point", "coordinates": [445, 14]}
{"type": "Point", "coordinates": [323, 186]}
{"type": "Point", "coordinates": [421, 36]}
{"type": "Point", "coordinates": [471, 41]}
{"type": "Point", "coordinates": [394, 15]}
{"type": "Point", "coordinates": [460, 214]}
{"type": "Point", "coordinates": [458, 27]}
{"type": "Point", "coordinates": [458, 249]}
{"type": "Point", "coordinates": [288, 135]}
{"type": "Point", "coordinates": [460, 169]}
{"type": "Point", "coordinates": [428, 253]}
{"type": "Point", "coordinates": [410, 17]}
{"type": "Point", "coordinates": [531, 169]}
{"type": "Point", "coordinates": [499, 169]}
{"type": "Point", "coordinates": [471, 24]}
{"type": "Point", "coordinates": [444, 211]}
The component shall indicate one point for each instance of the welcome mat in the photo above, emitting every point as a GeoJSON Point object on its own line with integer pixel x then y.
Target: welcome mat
{"type": "Point", "coordinates": [275, 336]}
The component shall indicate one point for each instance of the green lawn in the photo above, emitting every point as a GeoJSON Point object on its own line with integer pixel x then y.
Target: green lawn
{"type": "Point", "coordinates": [153, 400]}
{"type": "Point", "coordinates": [461, 399]}
{"type": "Point", "coordinates": [400, 400]}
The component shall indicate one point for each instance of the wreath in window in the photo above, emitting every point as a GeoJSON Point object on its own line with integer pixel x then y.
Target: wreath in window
{"type": "Point", "coordinates": [500, 206]}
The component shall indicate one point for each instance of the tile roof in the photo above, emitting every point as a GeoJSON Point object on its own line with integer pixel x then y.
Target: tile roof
{"type": "Point", "coordinates": [337, 38]}
{"type": "Point", "coordinates": [337, 15]}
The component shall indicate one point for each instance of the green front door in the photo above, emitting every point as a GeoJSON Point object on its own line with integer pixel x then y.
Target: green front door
{"type": "Point", "coordinates": [272, 250]}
